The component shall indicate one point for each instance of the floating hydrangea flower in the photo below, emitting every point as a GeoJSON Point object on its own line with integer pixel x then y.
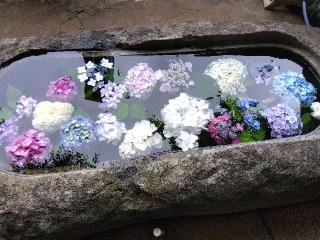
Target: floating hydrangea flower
{"type": "Point", "coordinates": [223, 130]}
{"type": "Point", "coordinates": [176, 76]}
{"type": "Point", "coordinates": [264, 73]}
{"type": "Point", "coordinates": [295, 83]}
{"type": "Point", "coordinates": [8, 129]}
{"type": "Point", "coordinates": [251, 112]}
{"type": "Point", "coordinates": [25, 106]}
{"type": "Point", "coordinates": [62, 89]}
{"type": "Point", "coordinates": [109, 129]}
{"type": "Point", "coordinates": [50, 116]}
{"type": "Point", "coordinates": [229, 74]}
{"type": "Point", "coordinates": [187, 141]}
{"type": "Point", "coordinates": [185, 113]}
{"type": "Point", "coordinates": [141, 139]}
{"type": "Point", "coordinates": [29, 149]}
{"type": "Point", "coordinates": [283, 121]}
{"type": "Point", "coordinates": [111, 93]}
{"type": "Point", "coordinates": [315, 107]}
{"type": "Point", "coordinates": [251, 121]}
{"type": "Point", "coordinates": [95, 73]}
{"type": "Point", "coordinates": [141, 80]}
{"type": "Point", "coordinates": [77, 131]}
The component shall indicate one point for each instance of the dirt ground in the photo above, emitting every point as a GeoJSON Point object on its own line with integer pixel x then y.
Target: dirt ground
{"type": "Point", "coordinates": [38, 17]}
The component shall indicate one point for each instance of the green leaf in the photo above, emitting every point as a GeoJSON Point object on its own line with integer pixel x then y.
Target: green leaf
{"type": "Point", "coordinates": [137, 111]}
{"type": "Point", "coordinates": [13, 94]}
{"type": "Point", "coordinates": [306, 118]}
{"type": "Point", "coordinates": [122, 111]}
{"type": "Point", "coordinates": [5, 113]}
{"type": "Point", "coordinates": [258, 135]}
{"type": "Point", "coordinates": [246, 137]}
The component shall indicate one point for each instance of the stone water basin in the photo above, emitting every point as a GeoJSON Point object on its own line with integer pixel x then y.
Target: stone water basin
{"type": "Point", "coordinates": [212, 178]}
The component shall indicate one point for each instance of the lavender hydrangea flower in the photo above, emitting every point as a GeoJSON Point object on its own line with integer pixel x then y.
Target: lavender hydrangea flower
{"type": "Point", "coordinates": [295, 84]}
{"type": "Point", "coordinates": [264, 73]}
{"type": "Point", "coordinates": [8, 129]}
{"type": "Point", "coordinates": [77, 131]}
{"type": "Point", "coordinates": [141, 80]}
{"type": "Point", "coordinates": [176, 76]}
{"type": "Point", "coordinates": [111, 93]}
{"type": "Point", "coordinates": [283, 121]}
{"type": "Point", "coordinates": [25, 106]}
{"type": "Point", "coordinates": [62, 89]}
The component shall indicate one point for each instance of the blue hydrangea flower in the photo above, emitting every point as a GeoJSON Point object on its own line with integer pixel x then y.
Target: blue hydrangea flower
{"type": "Point", "coordinates": [295, 84]}
{"type": "Point", "coordinates": [77, 131]}
{"type": "Point", "coordinates": [252, 122]}
{"type": "Point", "coordinates": [283, 121]}
{"type": "Point", "coordinates": [245, 104]}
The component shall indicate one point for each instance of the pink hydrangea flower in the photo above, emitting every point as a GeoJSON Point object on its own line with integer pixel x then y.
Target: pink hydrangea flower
{"type": "Point", "coordinates": [62, 89]}
{"type": "Point", "coordinates": [29, 149]}
{"type": "Point", "coordinates": [223, 130]}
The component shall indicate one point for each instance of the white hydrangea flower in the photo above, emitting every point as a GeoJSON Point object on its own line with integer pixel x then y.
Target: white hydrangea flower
{"type": "Point", "coordinates": [315, 107]}
{"type": "Point", "coordinates": [82, 77]}
{"type": "Point", "coordinates": [185, 114]}
{"type": "Point", "coordinates": [92, 82]}
{"type": "Point", "coordinates": [90, 65]}
{"type": "Point", "coordinates": [187, 141]}
{"type": "Point", "coordinates": [229, 74]}
{"type": "Point", "coordinates": [82, 69]}
{"type": "Point", "coordinates": [50, 116]}
{"type": "Point", "coordinates": [109, 129]}
{"type": "Point", "coordinates": [105, 63]}
{"type": "Point", "coordinates": [140, 139]}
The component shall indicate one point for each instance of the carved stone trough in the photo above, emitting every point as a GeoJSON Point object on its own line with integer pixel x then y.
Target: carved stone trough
{"type": "Point", "coordinates": [213, 180]}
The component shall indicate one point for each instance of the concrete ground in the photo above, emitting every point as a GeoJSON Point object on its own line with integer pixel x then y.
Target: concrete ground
{"type": "Point", "coordinates": [297, 222]}
{"type": "Point", "coordinates": [37, 17]}
{"type": "Point", "coordinates": [40, 17]}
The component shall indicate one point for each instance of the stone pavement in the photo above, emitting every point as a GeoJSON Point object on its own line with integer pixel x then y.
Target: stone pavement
{"type": "Point", "coordinates": [36, 17]}
{"type": "Point", "coordinates": [297, 222]}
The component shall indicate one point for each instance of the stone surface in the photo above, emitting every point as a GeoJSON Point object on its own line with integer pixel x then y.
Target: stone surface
{"type": "Point", "coordinates": [205, 181]}
{"type": "Point", "coordinates": [244, 226]}
{"type": "Point", "coordinates": [302, 222]}
{"type": "Point", "coordinates": [29, 18]}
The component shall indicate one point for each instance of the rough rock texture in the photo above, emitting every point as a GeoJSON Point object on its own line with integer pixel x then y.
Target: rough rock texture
{"type": "Point", "coordinates": [205, 181]}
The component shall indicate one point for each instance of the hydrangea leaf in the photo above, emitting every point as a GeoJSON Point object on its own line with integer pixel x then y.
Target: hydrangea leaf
{"type": "Point", "coordinates": [13, 94]}
{"type": "Point", "coordinates": [246, 137]}
{"type": "Point", "coordinates": [137, 111]}
{"type": "Point", "coordinates": [306, 118]}
{"type": "Point", "coordinates": [5, 113]}
{"type": "Point", "coordinates": [258, 135]}
{"type": "Point", "coordinates": [235, 111]}
{"type": "Point", "coordinates": [122, 111]}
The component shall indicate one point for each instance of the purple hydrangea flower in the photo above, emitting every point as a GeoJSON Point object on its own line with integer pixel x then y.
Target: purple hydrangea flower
{"type": "Point", "coordinates": [111, 93]}
{"type": "Point", "coordinates": [8, 129]}
{"type": "Point", "coordinates": [264, 73]}
{"type": "Point", "coordinates": [62, 89]}
{"type": "Point", "coordinates": [25, 106]}
{"type": "Point", "coordinates": [141, 80]}
{"type": "Point", "coordinates": [283, 121]}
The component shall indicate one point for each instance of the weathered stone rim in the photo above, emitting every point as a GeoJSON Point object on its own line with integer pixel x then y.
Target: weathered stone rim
{"type": "Point", "coordinates": [212, 180]}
